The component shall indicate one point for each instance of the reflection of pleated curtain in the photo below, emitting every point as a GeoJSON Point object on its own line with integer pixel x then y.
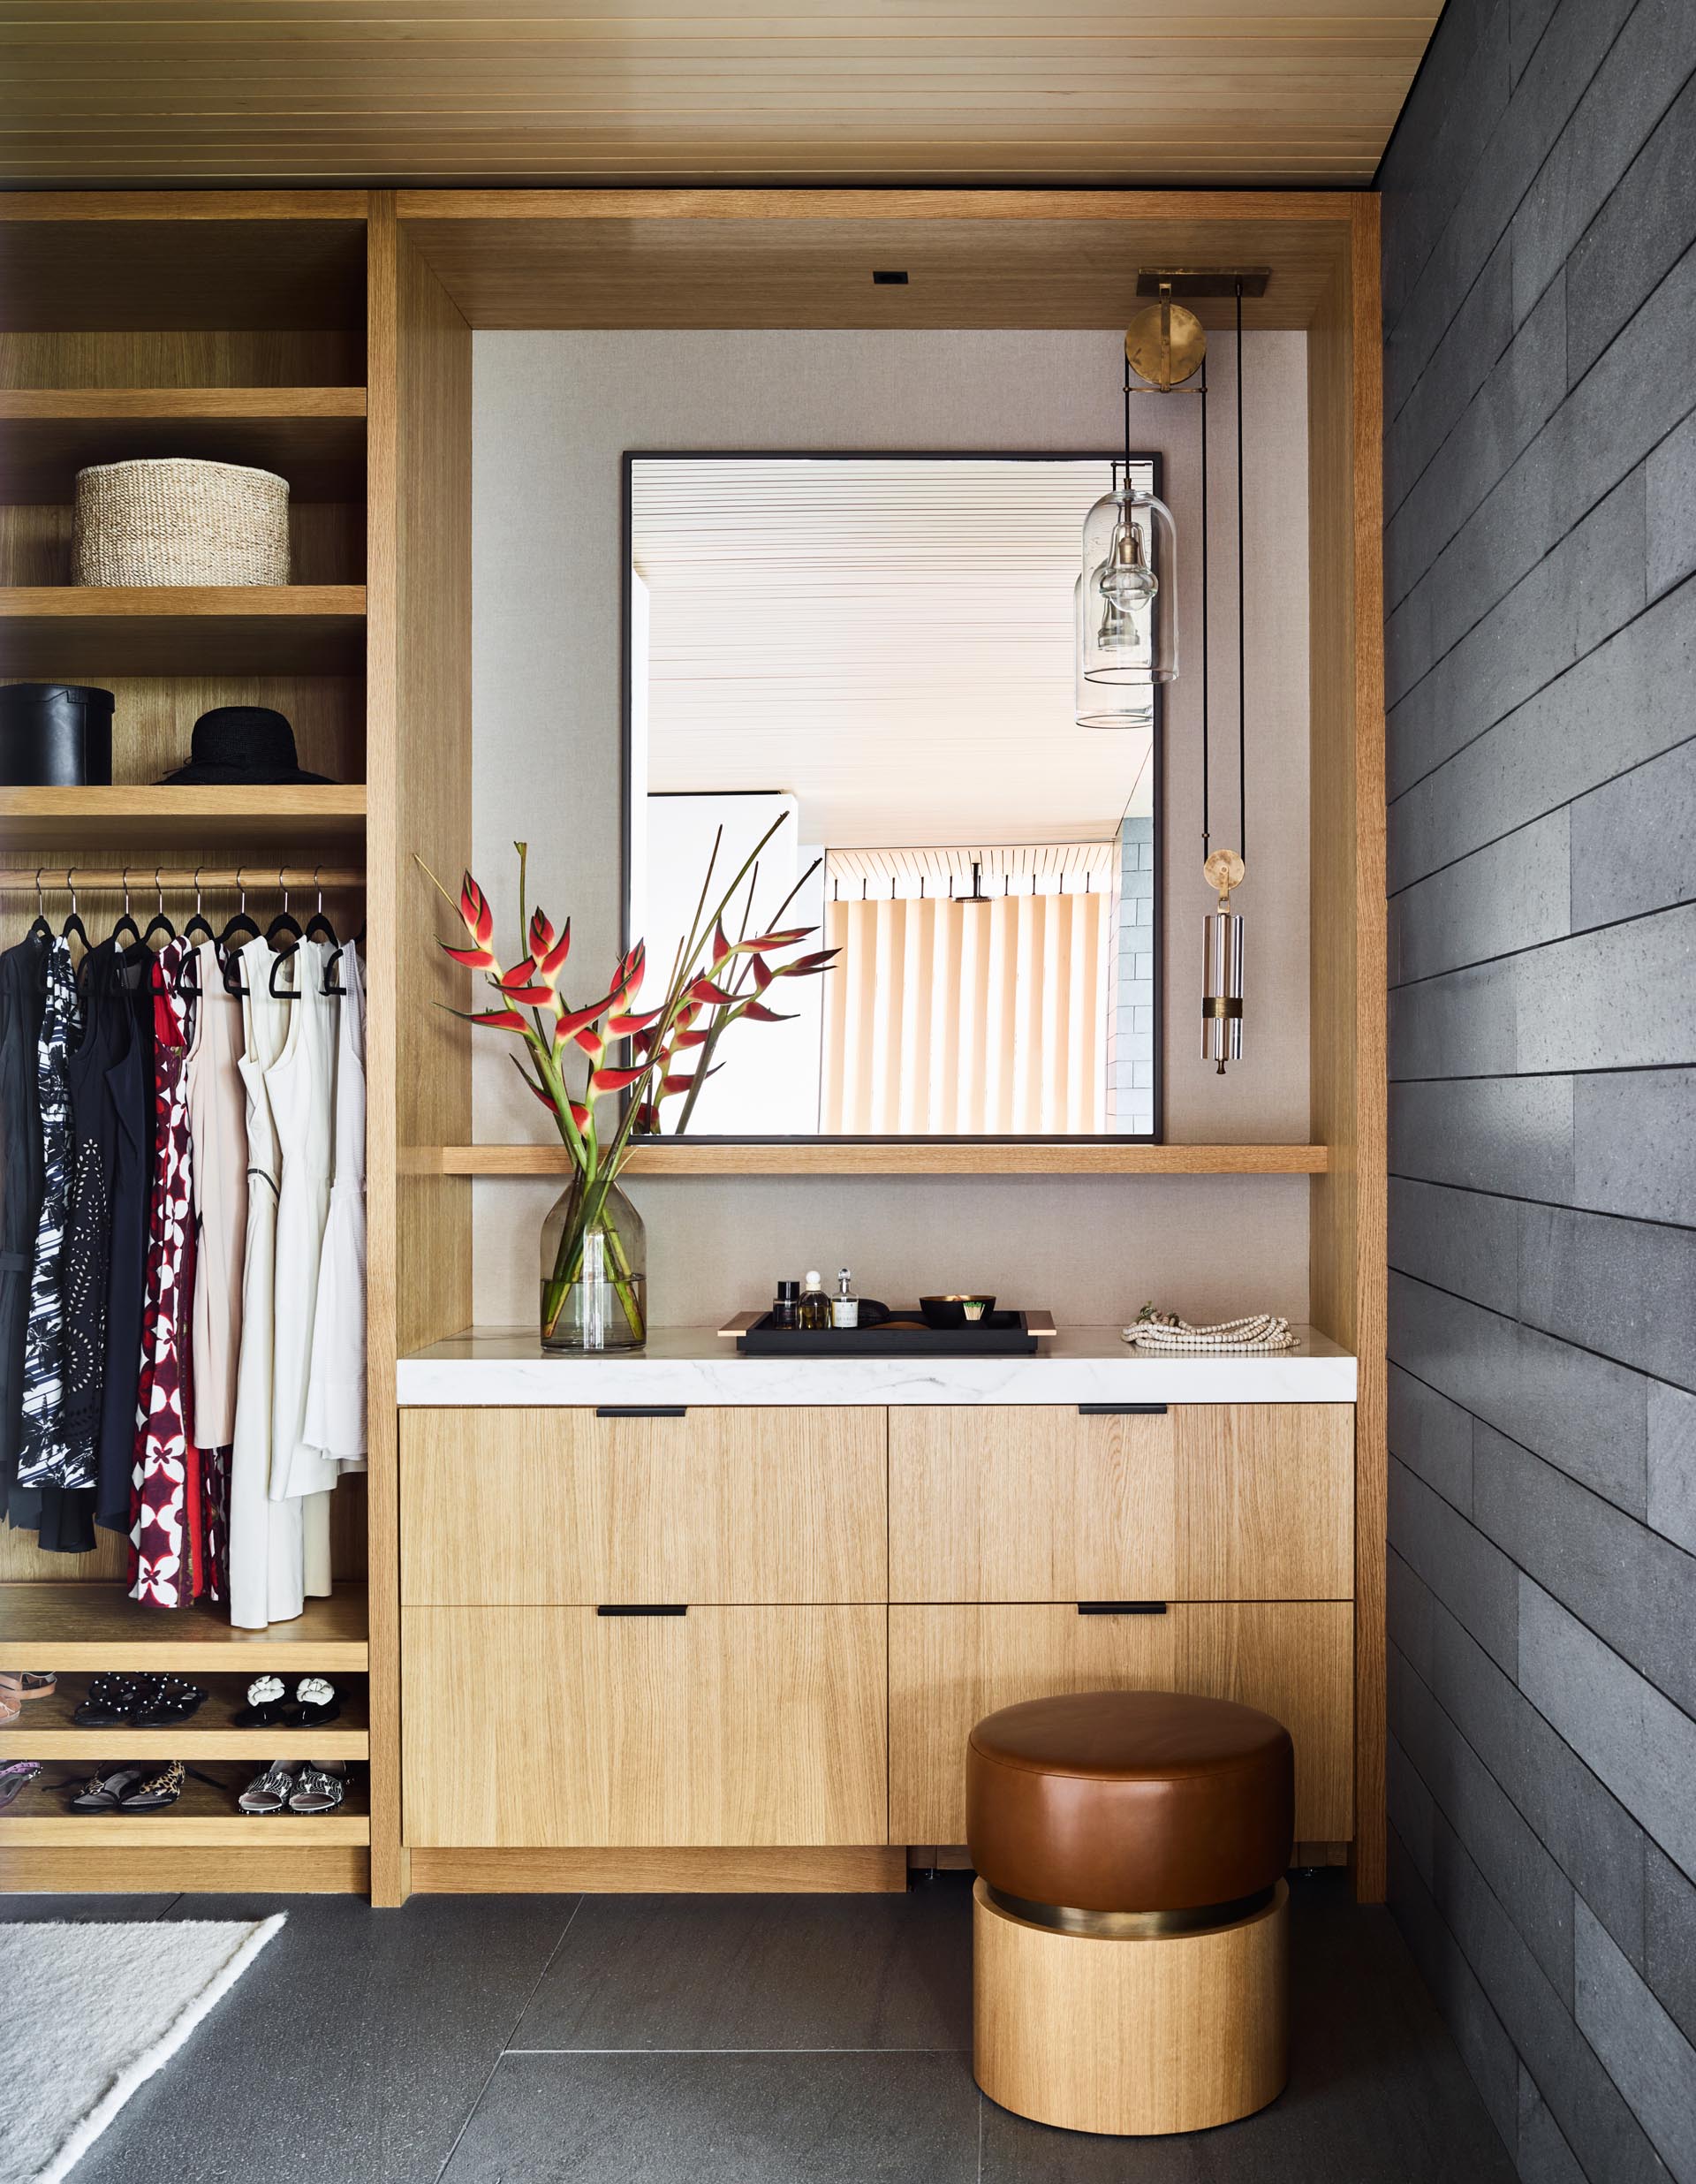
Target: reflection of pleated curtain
{"type": "Point", "coordinates": [941, 1019]}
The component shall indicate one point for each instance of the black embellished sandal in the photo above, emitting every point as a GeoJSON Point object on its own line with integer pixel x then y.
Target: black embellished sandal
{"type": "Point", "coordinates": [109, 1703]}
{"type": "Point", "coordinates": [317, 1701]}
{"type": "Point", "coordinates": [173, 1700]}
{"type": "Point", "coordinates": [268, 1703]}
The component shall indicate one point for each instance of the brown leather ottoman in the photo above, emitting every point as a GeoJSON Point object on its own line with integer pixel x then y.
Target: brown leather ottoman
{"type": "Point", "coordinates": [1130, 1909]}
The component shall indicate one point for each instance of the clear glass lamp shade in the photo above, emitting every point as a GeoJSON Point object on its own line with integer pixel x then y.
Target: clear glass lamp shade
{"type": "Point", "coordinates": [1126, 607]}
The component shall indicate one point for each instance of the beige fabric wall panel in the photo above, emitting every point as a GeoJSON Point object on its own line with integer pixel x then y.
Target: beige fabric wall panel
{"type": "Point", "coordinates": [553, 413]}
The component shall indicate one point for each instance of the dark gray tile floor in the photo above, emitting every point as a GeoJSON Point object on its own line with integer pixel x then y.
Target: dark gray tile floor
{"type": "Point", "coordinates": [728, 2040]}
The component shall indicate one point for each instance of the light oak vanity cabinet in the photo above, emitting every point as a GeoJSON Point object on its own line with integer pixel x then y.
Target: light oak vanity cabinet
{"type": "Point", "coordinates": [762, 1627]}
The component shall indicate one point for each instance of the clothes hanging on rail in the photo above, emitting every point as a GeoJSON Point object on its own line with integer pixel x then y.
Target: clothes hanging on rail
{"type": "Point", "coordinates": [23, 996]}
{"type": "Point", "coordinates": [44, 1452]}
{"type": "Point", "coordinates": [129, 1085]}
{"type": "Point", "coordinates": [87, 1251]}
{"type": "Point", "coordinates": [267, 1538]}
{"type": "Point", "coordinates": [302, 1085]}
{"type": "Point", "coordinates": [165, 1482]}
{"type": "Point", "coordinates": [218, 1125]}
{"type": "Point", "coordinates": [335, 1395]}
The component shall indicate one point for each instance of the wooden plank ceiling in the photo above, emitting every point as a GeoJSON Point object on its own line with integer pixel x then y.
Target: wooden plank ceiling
{"type": "Point", "coordinates": [1218, 93]}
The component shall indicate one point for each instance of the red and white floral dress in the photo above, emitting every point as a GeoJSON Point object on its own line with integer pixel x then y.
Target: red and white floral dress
{"type": "Point", "coordinates": [165, 1486]}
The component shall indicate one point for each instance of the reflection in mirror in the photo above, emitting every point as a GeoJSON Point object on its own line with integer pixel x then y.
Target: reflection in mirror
{"type": "Point", "coordinates": [877, 652]}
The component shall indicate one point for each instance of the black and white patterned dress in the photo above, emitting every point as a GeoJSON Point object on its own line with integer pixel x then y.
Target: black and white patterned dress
{"type": "Point", "coordinates": [44, 1453]}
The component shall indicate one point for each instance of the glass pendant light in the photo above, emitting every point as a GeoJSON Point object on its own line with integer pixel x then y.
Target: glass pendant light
{"type": "Point", "coordinates": [1125, 603]}
{"type": "Point", "coordinates": [1125, 600]}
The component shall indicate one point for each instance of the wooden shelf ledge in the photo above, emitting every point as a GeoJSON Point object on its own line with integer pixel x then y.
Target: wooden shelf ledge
{"type": "Point", "coordinates": [124, 819]}
{"type": "Point", "coordinates": [889, 1157]}
{"type": "Point", "coordinates": [84, 630]}
{"type": "Point", "coordinates": [313, 436]}
{"type": "Point", "coordinates": [93, 1625]}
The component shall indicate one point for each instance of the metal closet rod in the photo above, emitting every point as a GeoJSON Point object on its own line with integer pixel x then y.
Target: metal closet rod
{"type": "Point", "coordinates": [175, 879]}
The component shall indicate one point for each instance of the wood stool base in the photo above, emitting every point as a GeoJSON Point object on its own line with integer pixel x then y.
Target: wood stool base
{"type": "Point", "coordinates": [1130, 2035]}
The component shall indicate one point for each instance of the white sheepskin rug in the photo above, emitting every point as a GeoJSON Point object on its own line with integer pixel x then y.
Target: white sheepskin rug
{"type": "Point", "coordinates": [97, 2009]}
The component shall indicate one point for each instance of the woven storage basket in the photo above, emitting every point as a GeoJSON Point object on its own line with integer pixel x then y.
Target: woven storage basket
{"type": "Point", "coordinates": [181, 522]}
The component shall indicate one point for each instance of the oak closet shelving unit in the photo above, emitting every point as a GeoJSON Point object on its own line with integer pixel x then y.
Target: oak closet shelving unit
{"type": "Point", "coordinates": [327, 335]}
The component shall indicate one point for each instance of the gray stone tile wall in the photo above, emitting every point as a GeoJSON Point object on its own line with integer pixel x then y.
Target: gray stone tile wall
{"type": "Point", "coordinates": [1540, 295]}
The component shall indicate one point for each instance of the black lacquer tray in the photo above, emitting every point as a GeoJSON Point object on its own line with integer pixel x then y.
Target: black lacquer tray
{"type": "Point", "coordinates": [904, 1334]}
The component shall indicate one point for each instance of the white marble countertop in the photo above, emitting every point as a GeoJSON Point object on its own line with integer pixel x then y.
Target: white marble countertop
{"type": "Point", "coordinates": [507, 1366]}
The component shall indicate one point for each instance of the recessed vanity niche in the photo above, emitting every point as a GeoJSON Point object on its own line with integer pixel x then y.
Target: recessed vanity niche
{"type": "Point", "coordinates": [688, 1620]}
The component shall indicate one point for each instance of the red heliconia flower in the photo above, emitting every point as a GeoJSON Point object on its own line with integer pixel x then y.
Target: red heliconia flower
{"type": "Point", "coordinates": [615, 1079]}
{"type": "Point", "coordinates": [579, 1114]}
{"type": "Point", "coordinates": [547, 953]}
{"type": "Point", "coordinates": [786, 939]}
{"type": "Point", "coordinates": [628, 1027]}
{"type": "Point", "coordinates": [704, 990]}
{"type": "Point", "coordinates": [803, 965]}
{"type": "Point", "coordinates": [478, 920]}
{"type": "Point", "coordinates": [571, 1023]}
{"type": "Point", "coordinates": [760, 1013]}
{"type": "Point", "coordinates": [689, 1039]}
{"type": "Point", "coordinates": [517, 986]}
{"type": "Point", "coordinates": [764, 973]}
{"type": "Point", "coordinates": [501, 1019]}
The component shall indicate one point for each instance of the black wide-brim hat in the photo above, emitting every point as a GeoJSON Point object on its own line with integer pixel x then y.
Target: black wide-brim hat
{"type": "Point", "coordinates": [237, 743]}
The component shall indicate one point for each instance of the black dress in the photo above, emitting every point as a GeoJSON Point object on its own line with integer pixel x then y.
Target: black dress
{"type": "Point", "coordinates": [67, 1514]}
{"type": "Point", "coordinates": [22, 996]}
{"type": "Point", "coordinates": [129, 1082]}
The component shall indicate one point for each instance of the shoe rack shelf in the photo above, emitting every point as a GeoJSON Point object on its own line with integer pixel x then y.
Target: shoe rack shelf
{"type": "Point", "coordinates": [204, 1818]}
{"type": "Point", "coordinates": [47, 1730]}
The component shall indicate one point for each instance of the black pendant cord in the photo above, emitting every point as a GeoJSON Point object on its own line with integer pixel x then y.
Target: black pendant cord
{"type": "Point", "coordinates": [1206, 843]}
{"type": "Point", "coordinates": [1242, 612]}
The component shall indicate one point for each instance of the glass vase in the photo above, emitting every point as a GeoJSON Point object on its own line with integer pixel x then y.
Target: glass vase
{"type": "Point", "coordinates": [594, 1271]}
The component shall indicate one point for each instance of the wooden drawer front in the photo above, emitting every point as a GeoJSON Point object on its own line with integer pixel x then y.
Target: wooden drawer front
{"type": "Point", "coordinates": [1265, 1501]}
{"type": "Point", "coordinates": [535, 1507]}
{"type": "Point", "coordinates": [1203, 1502]}
{"type": "Point", "coordinates": [949, 1666]}
{"type": "Point", "coordinates": [998, 1503]}
{"type": "Point", "coordinates": [549, 1727]}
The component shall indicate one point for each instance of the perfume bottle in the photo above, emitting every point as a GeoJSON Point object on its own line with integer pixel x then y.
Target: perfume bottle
{"type": "Point", "coordinates": [844, 1305]}
{"type": "Point", "coordinates": [785, 1306]}
{"type": "Point", "coordinates": [814, 1309]}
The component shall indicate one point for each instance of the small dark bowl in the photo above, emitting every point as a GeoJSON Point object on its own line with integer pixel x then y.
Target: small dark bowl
{"type": "Point", "coordinates": [953, 1312]}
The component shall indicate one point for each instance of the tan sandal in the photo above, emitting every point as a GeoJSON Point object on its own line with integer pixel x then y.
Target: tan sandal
{"type": "Point", "coordinates": [39, 1686]}
{"type": "Point", "coordinates": [11, 1696]}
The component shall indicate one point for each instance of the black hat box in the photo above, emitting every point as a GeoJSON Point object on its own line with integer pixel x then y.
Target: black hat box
{"type": "Point", "coordinates": [55, 736]}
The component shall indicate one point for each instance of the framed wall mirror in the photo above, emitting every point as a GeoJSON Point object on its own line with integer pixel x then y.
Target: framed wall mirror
{"type": "Point", "coordinates": [874, 654]}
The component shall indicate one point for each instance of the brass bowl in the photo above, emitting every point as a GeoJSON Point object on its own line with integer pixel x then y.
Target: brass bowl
{"type": "Point", "coordinates": [956, 1311]}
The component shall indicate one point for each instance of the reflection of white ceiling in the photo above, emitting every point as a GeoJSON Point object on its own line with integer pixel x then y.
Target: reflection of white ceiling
{"type": "Point", "coordinates": [889, 641]}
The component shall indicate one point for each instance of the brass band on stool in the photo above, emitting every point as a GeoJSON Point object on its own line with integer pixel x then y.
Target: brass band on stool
{"type": "Point", "coordinates": [1130, 1925]}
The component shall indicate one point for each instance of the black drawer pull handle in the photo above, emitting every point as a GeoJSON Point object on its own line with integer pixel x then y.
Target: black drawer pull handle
{"type": "Point", "coordinates": [642, 1410]}
{"type": "Point", "coordinates": [1123, 1410]}
{"type": "Point", "coordinates": [1121, 1607]}
{"type": "Point", "coordinates": [620, 1610]}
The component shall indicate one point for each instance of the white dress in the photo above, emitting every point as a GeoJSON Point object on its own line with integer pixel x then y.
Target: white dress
{"type": "Point", "coordinates": [302, 1084]}
{"type": "Point", "coordinates": [336, 1392]}
{"type": "Point", "coordinates": [267, 1558]}
{"type": "Point", "coordinates": [217, 1111]}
